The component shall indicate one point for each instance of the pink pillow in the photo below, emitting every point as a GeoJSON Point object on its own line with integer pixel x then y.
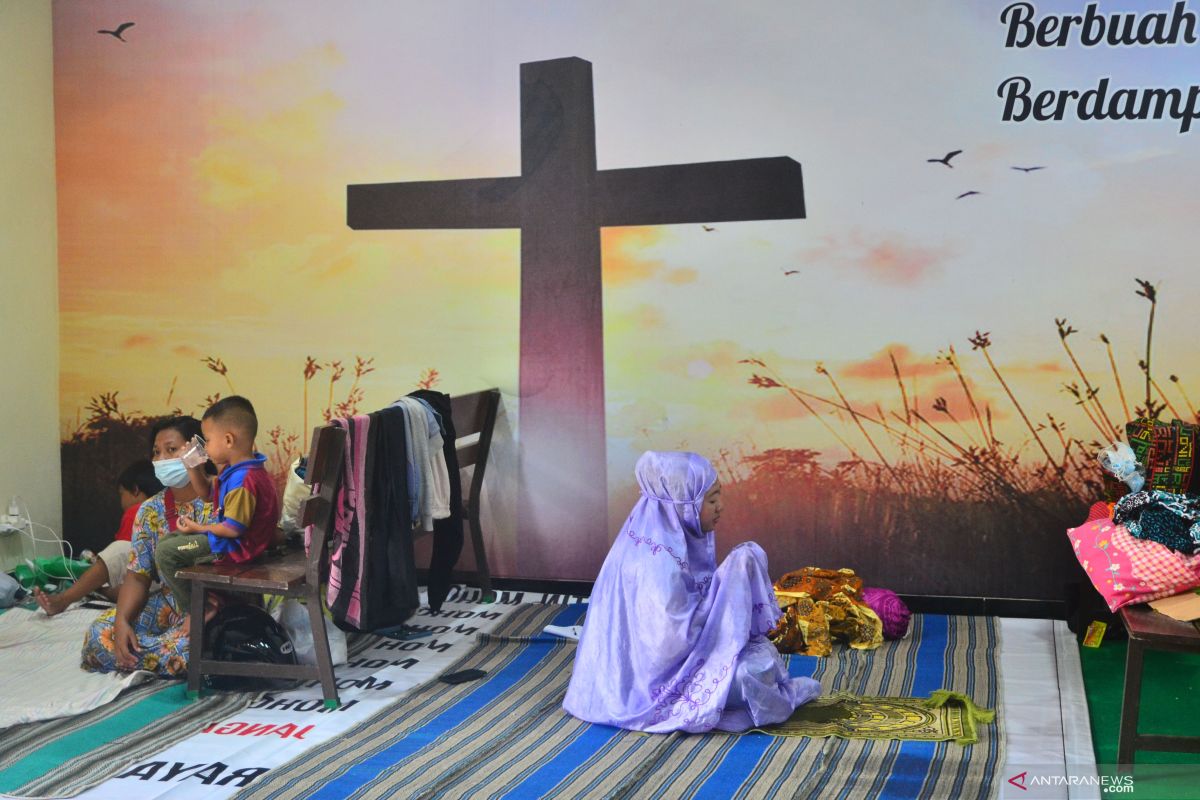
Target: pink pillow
{"type": "Point", "coordinates": [1126, 570]}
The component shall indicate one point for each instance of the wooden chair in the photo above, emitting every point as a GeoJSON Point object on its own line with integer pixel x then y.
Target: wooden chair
{"type": "Point", "coordinates": [474, 416]}
{"type": "Point", "coordinates": [1150, 630]}
{"type": "Point", "coordinates": [292, 575]}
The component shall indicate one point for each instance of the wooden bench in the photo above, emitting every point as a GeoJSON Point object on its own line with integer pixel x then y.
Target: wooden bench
{"type": "Point", "coordinates": [1150, 630]}
{"type": "Point", "coordinates": [295, 574]}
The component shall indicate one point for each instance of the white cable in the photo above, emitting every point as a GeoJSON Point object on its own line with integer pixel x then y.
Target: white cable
{"type": "Point", "coordinates": [63, 544]}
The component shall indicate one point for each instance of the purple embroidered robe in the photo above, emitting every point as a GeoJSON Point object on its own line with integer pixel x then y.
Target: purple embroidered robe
{"type": "Point", "coordinates": [671, 641]}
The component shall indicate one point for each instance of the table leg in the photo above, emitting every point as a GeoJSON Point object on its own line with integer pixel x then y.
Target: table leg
{"type": "Point", "coordinates": [1129, 706]}
{"type": "Point", "coordinates": [196, 638]}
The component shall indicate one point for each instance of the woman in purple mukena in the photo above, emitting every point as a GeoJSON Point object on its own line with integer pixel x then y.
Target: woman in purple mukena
{"type": "Point", "coordinates": [672, 642]}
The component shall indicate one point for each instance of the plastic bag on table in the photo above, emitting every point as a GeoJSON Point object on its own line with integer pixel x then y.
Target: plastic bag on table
{"type": "Point", "coordinates": [1120, 461]}
{"type": "Point", "coordinates": [294, 492]}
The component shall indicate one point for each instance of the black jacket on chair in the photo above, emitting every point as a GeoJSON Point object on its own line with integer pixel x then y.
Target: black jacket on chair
{"type": "Point", "coordinates": [447, 533]}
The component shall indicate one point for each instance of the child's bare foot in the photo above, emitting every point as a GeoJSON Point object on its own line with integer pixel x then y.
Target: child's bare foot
{"type": "Point", "coordinates": [50, 603]}
{"type": "Point", "coordinates": [211, 607]}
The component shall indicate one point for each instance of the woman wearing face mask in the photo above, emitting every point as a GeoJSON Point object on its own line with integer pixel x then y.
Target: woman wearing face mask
{"type": "Point", "coordinates": [146, 630]}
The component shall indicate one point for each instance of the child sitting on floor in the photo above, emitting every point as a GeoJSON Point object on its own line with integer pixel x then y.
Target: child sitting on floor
{"type": "Point", "coordinates": [243, 496]}
{"type": "Point", "coordinates": [134, 485]}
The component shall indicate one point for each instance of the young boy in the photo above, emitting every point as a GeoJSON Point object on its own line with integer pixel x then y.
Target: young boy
{"type": "Point", "coordinates": [244, 499]}
{"type": "Point", "coordinates": [134, 485]}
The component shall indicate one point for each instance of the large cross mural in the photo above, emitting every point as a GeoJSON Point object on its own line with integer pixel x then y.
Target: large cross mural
{"type": "Point", "coordinates": [560, 202]}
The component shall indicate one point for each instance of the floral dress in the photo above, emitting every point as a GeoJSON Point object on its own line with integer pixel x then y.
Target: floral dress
{"type": "Point", "coordinates": [161, 634]}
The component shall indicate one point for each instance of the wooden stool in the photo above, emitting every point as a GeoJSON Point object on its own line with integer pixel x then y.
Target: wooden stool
{"type": "Point", "coordinates": [1150, 630]}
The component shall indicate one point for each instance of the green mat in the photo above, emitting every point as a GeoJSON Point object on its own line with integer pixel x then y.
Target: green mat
{"type": "Point", "coordinates": [944, 716]}
{"type": "Point", "coordinates": [1170, 704]}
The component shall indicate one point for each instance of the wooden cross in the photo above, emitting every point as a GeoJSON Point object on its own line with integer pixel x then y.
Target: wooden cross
{"type": "Point", "coordinates": [560, 202]}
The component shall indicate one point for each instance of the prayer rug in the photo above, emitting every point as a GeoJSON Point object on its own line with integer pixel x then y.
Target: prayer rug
{"type": "Point", "coordinates": [943, 717]}
{"type": "Point", "coordinates": [507, 735]}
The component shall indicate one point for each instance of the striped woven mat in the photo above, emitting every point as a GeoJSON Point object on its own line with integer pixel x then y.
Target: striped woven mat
{"type": "Point", "coordinates": [63, 757]}
{"type": "Point", "coordinates": [507, 735]}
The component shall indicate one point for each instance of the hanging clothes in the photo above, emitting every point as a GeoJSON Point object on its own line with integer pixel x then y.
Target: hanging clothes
{"type": "Point", "coordinates": [347, 552]}
{"type": "Point", "coordinates": [400, 468]}
{"type": "Point", "coordinates": [372, 578]}
{"type": "Point", "coordinates": [412, 472]}
{"type": "Point", "coordinates": [447, 532]}
{"type": "Point", "coordinates": [418, 420]}
{"type": "Point", "coordinates": [439, 485]}
{"type": "Point", "coordinates": [391, 589]}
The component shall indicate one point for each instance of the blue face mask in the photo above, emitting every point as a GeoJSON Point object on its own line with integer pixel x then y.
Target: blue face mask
{"type": "Point", "coordinates": [171, 472]}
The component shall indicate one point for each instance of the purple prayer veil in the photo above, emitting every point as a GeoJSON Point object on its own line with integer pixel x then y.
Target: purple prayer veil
{"type": "Point", "coordinates": [672, 642]}
{"type": "Point", "coordinates": [667, 515]}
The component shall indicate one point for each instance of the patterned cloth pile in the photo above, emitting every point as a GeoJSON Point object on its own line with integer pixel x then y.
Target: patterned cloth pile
{"type": "Point", "coordinates": [820, 604]}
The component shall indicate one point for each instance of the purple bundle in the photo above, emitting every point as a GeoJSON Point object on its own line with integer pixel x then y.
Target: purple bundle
{"type": "Point", "coordinates": [889, 608]}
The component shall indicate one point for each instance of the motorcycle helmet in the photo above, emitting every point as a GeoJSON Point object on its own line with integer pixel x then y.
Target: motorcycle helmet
{"type": "Point", "coordinates": [249, 634]}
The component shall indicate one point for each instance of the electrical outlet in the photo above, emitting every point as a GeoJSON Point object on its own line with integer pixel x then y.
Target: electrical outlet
{"type": "Point", "coordinates": [11, 523]}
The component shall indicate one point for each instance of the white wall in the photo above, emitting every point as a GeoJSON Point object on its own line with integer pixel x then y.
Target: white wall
{"type": "Point", "coordinates": [29, 438]}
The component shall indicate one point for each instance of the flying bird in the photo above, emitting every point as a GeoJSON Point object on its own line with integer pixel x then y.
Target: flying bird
{"type": "Point", "coordinates": [707, 229]}
{"type": "Point", "coordinates": [967, 194]}
{"type": "Point", "coordinates": [1027, 169]}
{"type": "Point", "coordinates": [791, 272]}
{"type": "Point", "coordinates": [124, 26]}
{"type": "Point", "coordinates": [945, 159]}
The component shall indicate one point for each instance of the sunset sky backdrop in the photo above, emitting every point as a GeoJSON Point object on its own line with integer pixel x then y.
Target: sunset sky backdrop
{"type": "Point", "coordinates": [203, 164]}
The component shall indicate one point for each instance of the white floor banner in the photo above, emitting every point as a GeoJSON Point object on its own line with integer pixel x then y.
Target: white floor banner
{"type": "Point", "coordinates": [227, 754]}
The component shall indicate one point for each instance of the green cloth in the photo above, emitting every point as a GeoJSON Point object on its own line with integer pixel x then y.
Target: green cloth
{"type": "Point", "coordinates": [1170, 704]}
{"type": "Point", "coordinates": [49, 572]}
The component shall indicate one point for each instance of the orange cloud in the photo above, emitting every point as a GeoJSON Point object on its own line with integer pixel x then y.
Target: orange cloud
{"type": "Point", "coordinates": [622, 263]}
{"type": "Point", "coordinates": [777, 406]}
{"type": "Point", "coordinates": [186, 351]}
{"type": "Point", "coordinates": [889, 258]}
{"type": "Point", "coordinates": [138, 340]}
{"type": "Point", "coordinates": [1051, 367]}
{"type": "Point", "coordinates": [680, 276]}
{"type": "Point", "coordinates": [879, 366]}
{"type": "Point", "coordinates": [646, 317]}
{"type": "Point", "coordinates": [722, 356]}
{"type": "Point", "coordinates": [957, 404]}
